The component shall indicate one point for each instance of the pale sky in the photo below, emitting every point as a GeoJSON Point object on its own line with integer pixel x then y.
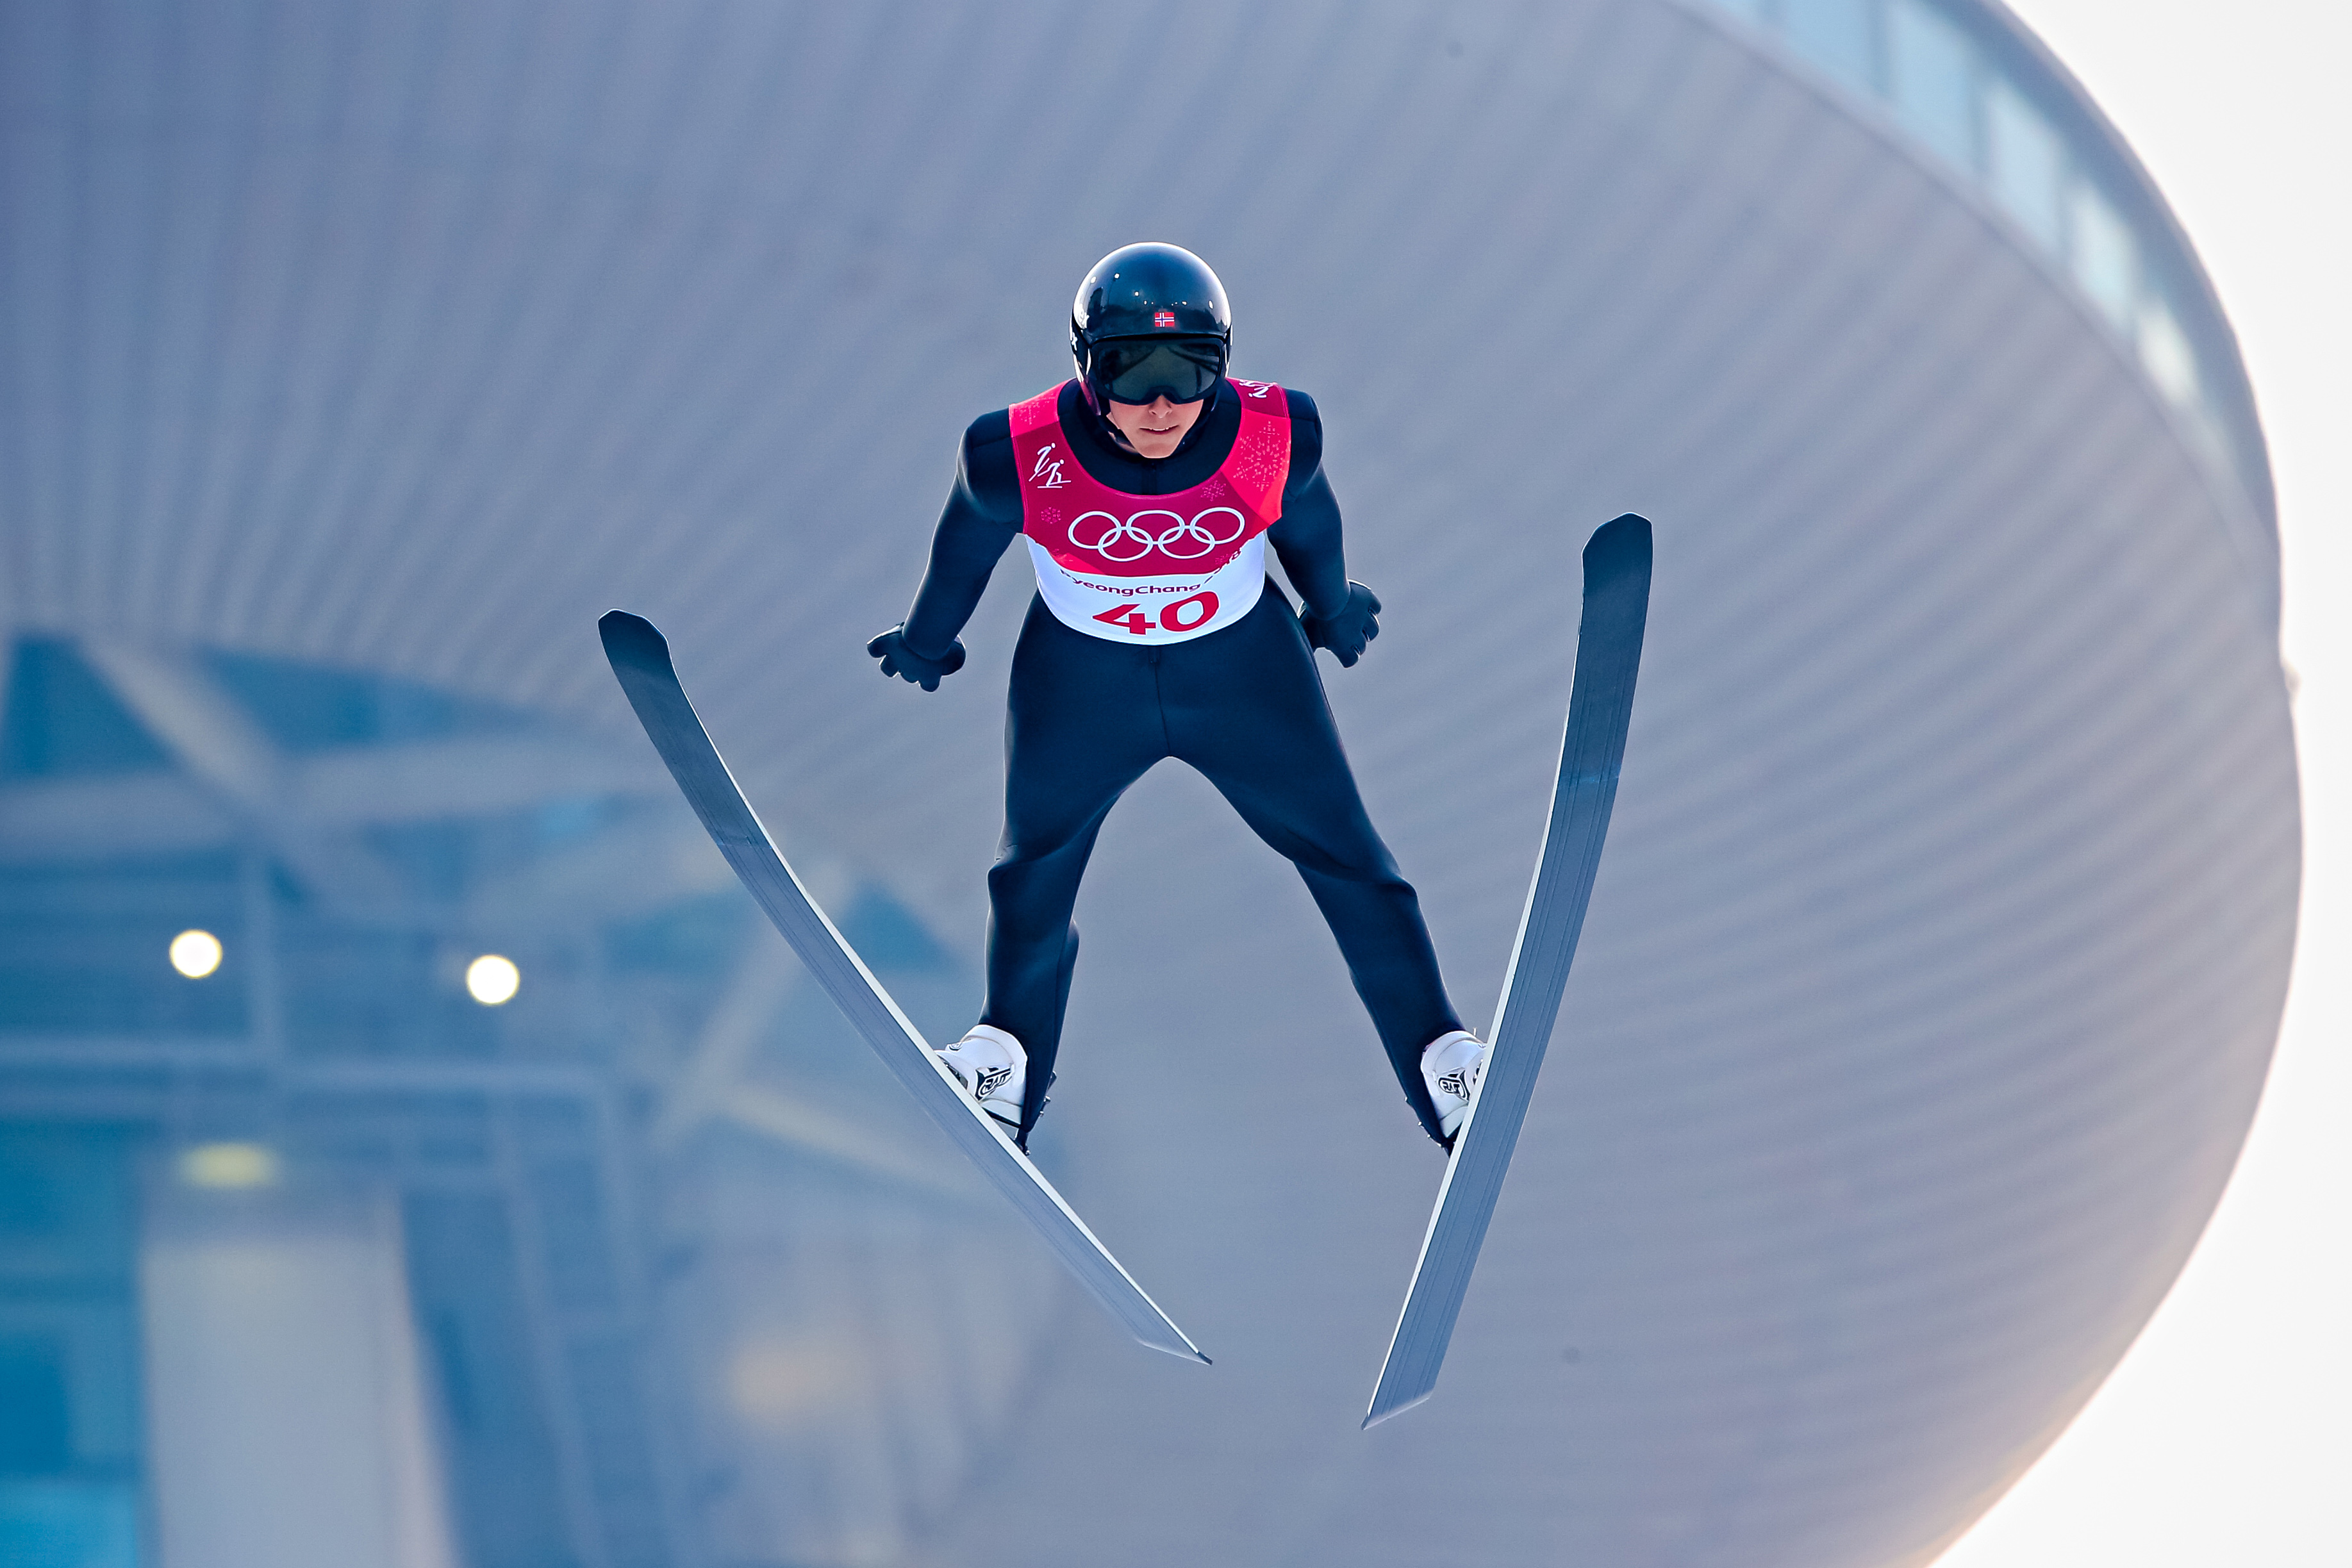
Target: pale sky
{"type": "Point", "coordinates": [2225, 1438]}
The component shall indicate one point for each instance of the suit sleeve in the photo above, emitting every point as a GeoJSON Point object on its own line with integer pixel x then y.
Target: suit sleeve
{"type": "Point", "coordinates": [982, 517]}
{"type": "Point", "coordinates": [1307, 537]}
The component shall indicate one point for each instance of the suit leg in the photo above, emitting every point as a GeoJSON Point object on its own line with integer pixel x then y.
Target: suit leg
{"type": "Point", "coordinates": [1252, 719]}
{"type": "Point", "coordinates": [1082, 724]}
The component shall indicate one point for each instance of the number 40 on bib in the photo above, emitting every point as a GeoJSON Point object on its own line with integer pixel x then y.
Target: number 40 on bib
{"type": "Point", "coordinates": [1182, 616]}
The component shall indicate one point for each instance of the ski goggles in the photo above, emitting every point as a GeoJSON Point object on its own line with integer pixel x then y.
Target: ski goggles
{"type": "Point", "coordinates": [1139, 370]}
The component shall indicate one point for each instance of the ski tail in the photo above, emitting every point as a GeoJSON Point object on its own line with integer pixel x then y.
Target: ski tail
{"type": "Point", "coordinates": [1592, 751]}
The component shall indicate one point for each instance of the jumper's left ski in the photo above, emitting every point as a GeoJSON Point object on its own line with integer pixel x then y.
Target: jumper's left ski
{"type": "Point", "coordinates": [1599, 709]}
{"type": "Point", "coordinates": [640, 657]}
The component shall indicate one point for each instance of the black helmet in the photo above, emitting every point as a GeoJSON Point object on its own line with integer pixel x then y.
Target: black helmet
{"type": "Point", "coordinates": [1150, 319]}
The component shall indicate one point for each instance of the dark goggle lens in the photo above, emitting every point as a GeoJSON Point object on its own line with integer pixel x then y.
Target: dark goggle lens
{"type": "Point", "coordinates": [1138, 371]}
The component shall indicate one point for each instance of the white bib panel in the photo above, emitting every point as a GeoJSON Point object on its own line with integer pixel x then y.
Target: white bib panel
{"type": "Point", "coordinates": [1152, 610]}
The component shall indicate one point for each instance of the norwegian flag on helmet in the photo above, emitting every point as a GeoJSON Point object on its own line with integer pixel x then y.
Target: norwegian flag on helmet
{"type": "Point", "coordinates": [1163, 318]}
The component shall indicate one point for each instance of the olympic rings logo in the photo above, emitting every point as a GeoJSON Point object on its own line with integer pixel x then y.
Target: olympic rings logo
{"type": "Point", "coordinates": [1131, 538]}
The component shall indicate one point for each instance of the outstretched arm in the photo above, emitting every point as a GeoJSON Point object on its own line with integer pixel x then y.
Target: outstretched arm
{"type": "Point", "coordinates": [975, 527]}
{"type": "Point", "coordinates": [1339, 614]}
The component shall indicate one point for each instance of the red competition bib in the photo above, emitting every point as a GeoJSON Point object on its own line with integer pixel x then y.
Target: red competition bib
{"type": "Point", "coordinates": [1151, 569]}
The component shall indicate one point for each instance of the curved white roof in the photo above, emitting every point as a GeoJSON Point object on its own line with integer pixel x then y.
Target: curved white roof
{"type": "Point", "coordinates": [1940, 941]}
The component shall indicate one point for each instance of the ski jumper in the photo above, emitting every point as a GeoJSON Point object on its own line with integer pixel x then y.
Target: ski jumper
{"type": "Point", "coordinates": [1153, 635]}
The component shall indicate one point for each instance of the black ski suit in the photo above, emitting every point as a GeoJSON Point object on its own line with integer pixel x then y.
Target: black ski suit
{"type": "Point", "coordinates": [1244, 705]}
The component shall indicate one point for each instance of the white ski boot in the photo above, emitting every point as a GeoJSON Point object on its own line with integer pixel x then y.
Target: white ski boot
{"type": "Point", "coordinates": [993, 1070]}
{"type": "Point", "coordinates": [1452, 1065]}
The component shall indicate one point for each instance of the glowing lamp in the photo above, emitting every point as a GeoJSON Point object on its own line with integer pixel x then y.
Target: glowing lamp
{"type": "Point", "coordinates": [492, 981]}
{"type": "Point", "coordinates": [195, 954]}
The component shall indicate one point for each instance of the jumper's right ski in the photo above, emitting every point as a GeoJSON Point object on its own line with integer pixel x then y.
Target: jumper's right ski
{"type": "Point", "coordinates": [1599, 710]}
{"type": "Point", "coordinates": [640, 658]}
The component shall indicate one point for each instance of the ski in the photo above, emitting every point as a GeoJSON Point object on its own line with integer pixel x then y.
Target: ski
{"type": "Point", "coordinates": [640, 658]}
{"type": "Point", "coordinates": [1600, 707]}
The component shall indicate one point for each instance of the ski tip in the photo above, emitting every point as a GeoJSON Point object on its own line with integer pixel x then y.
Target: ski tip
{"type": "Point", "coordinates": [1627, 532]}
{"type": "Point", "coordinates": [633, 639]}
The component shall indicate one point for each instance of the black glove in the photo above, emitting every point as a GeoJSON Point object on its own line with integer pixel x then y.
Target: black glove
{"type": "Point", "coordinates": [899, 660]}
{"type": "Point", "coordinates": [1346, 633]}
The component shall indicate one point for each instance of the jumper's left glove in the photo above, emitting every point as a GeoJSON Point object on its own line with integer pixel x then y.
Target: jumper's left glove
{"type": "Point", "coordinates": [1346, 633]}
{"type": "Point", "coordinates": [899, 660]}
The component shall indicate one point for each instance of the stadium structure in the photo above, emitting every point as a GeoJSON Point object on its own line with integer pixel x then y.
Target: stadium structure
{"type": "Point", "coordinates": [356, 358]}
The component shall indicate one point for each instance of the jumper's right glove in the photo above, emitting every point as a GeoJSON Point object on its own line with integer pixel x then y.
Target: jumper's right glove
{"type": "Point", "coordinates": [899, 660]}
{"type": "Point", "coordinates": [1346, 633]}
